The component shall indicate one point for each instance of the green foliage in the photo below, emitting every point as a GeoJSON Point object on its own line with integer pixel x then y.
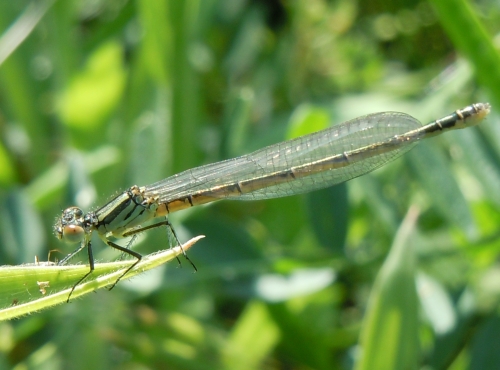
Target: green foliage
{"type": "Point", "coordinates": [98, 96]}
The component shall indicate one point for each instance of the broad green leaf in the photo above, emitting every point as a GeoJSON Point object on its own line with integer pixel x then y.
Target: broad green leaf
{"type": "Point", "coordinates": [304, 344]}
{"type": "Point", "coordinates": [94, 93]}
{"type": "Point", "coordinates": [307, 119]}
{"type": "Point", "coordinates": [389, 337]}
{"type": "Point", "coordinates": [252, 339]}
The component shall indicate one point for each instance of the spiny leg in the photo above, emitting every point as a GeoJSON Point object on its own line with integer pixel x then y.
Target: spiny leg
{"type": "Point", "coordinates": [128, 246]}
{"type": "Point", "coordinates": [127, 251]}
{"type": "Point", "coordinates": [124, 250]}
{"type": "Point", "coordinates": [91, 263]}
{"type": "Point", "coordinates": [172, 238]}
{"type": "Point", "coordinates": [72, 254]}
{"type": "Point", "coordinates": [168, 225]}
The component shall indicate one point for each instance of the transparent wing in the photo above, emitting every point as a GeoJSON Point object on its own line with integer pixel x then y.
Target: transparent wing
{"type": "Point", "coordinates": [301, 152]}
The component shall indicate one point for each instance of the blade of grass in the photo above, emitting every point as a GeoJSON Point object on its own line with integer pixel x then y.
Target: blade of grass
{"type": "Point", "coordinates": [22, 28]}
{"type": "Point", "coordinates": [389, 336]}
{"type": "Point", "coordinates": [16, 281]}
{"type": "Point", "coordinates": [471, 38]}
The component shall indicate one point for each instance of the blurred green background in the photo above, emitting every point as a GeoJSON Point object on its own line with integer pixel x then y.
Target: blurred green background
{"type": "Point", "coordinates": [394, 270]}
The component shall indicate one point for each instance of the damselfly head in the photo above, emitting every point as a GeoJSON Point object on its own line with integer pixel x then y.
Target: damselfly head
{"type": "Point", "coordinates": [70, 227]}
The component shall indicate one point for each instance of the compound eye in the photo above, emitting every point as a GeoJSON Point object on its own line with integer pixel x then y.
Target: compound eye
{"type": "Point", "coordinates": [73, 233]}
{"type": "Point", "coordinates": [72, 213]}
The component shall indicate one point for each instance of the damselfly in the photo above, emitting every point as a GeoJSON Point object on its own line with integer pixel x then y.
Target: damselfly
{"type": "Point", "coordinates": [300, 165]}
